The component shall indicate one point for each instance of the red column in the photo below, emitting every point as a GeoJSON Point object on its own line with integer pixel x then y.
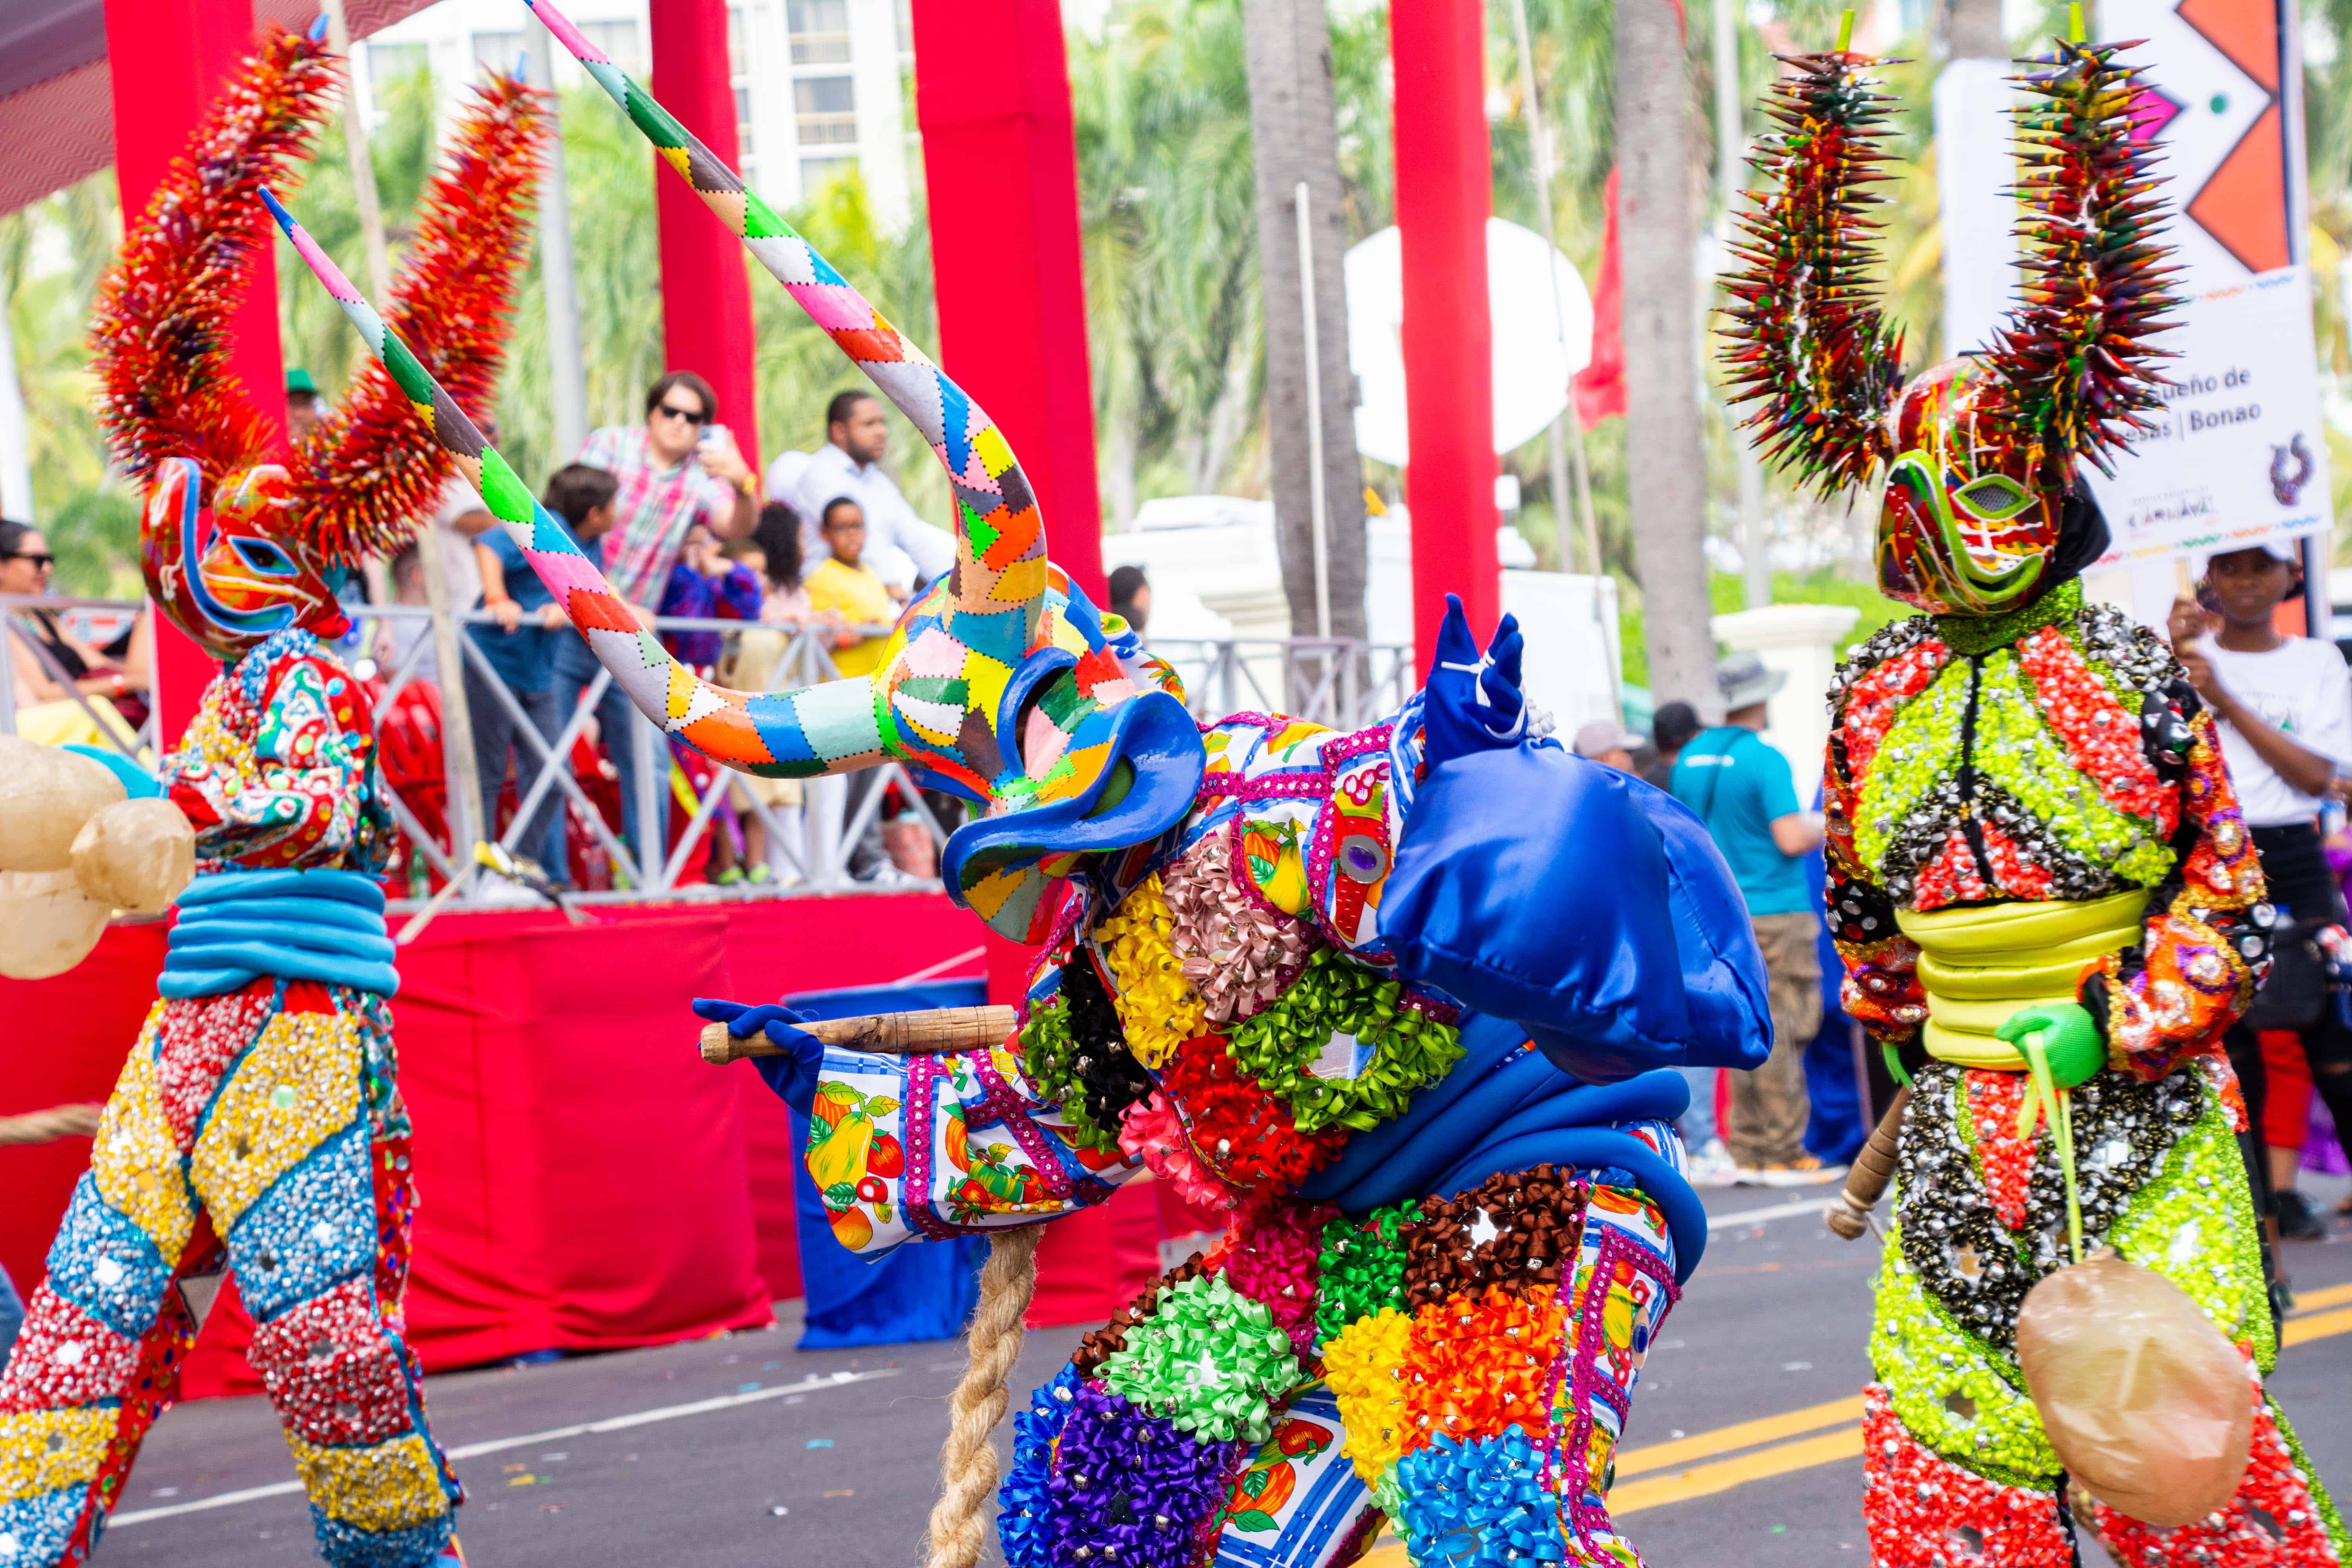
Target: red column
{"type": "Point", "coordinates": [168, 58]}
{"type": "Point", "coordinates": [1444, 191]}
{"type": "Point", "coordinates": [706, 290]}
{"type": "Point", "coordinates": [992, 97]}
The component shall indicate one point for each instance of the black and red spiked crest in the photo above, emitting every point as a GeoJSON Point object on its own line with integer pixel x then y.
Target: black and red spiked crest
{"type": "Point", "coordinates": [1979, 456]}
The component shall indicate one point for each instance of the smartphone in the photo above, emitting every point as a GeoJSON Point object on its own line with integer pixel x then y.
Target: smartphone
{"type": "Point", "coordinates": [710, 437]}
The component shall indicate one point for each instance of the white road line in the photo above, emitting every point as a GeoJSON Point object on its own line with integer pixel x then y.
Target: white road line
{"type": "Point", "coordinates": [499, 1445]}
{"type": "Point", "coordinates": [1715, 1222]}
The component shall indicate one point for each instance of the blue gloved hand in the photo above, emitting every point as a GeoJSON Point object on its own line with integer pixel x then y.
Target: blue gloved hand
{"type": "Point", "coordinates": [1473, 702]}
{"type": "Point", "coordinates": [793, 1076]}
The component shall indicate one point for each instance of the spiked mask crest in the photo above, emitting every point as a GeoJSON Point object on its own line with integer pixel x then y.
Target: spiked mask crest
{"type": "Point", "coordinates": [1977, 455]}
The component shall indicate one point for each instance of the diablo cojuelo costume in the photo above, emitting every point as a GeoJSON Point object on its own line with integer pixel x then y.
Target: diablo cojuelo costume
{"type": "Point", "coordinates": [1296, 970]}
{"type": "Point", "coordinates": [257, 1122]}
{"type": "Point", "coordinates": [2037, 865]}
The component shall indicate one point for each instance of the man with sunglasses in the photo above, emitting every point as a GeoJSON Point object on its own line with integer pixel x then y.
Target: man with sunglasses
{"type": "Point", "coordinates": [670, 478]}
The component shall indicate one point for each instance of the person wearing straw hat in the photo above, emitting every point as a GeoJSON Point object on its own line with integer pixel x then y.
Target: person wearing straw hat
{"type": "Point", "coordinates": [1311, 978]}
{"type": "Point", "coordinates": [2040, 880]}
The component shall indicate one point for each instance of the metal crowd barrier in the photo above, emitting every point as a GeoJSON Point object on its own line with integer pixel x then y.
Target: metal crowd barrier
{"type": "Point", "coordinates": [1338, 682]}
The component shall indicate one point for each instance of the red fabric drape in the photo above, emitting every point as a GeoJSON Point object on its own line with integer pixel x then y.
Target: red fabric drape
{"type": "Point", "coordinates": [1445, 194]}
{"type": "Point", "coordinates": [1000, 167]}
{"type": "Point", "coordinates": [585, 1181]}
{"type": "Point", "coordinates": [705, 281]}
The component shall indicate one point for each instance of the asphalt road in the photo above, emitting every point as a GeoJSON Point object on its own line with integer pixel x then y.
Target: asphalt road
{"type": "Point", "coordinates": [743, 1451]}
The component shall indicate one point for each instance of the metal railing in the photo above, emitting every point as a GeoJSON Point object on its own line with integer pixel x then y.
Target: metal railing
{"type": "Point", "coordinates": [1337, 682]}
{"type": "Point", "coordinates": [17, 631]}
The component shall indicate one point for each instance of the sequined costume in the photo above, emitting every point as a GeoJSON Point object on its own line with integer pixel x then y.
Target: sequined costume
{"type": "Point", "coordinates": [256, 1125]}
{"type": "Point", "coordinates": [1447, 1255]}
{"type": "Point", "coordinates": [1328, 981]}
{"type": "Point", "coordinates": [2031, 829]}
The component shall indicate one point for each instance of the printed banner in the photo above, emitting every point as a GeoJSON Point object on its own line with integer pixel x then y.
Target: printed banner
{"type": "Point", "coordinates": [2240, 456]}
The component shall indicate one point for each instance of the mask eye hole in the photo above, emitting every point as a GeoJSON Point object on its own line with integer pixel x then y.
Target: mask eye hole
{"type": "Point", "coordinates": [1994, 498]}
{"type": "Point", "coordinates": [260, 556]}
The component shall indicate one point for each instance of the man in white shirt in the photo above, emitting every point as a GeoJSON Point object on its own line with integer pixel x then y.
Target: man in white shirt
{"type": "Point", "coordinates": [850, 464]}
{"type": "Point", "coordinates": [2284, 704]}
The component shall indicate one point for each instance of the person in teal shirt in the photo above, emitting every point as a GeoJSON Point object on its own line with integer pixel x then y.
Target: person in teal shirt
{"type": "Point", "coordinates": [1742, 788]}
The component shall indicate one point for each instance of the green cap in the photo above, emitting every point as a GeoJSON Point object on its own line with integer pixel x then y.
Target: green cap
{"type": "Point", "coordinates": [298, 380]}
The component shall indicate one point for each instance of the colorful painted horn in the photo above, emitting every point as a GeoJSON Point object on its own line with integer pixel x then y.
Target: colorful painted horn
{"type": "Point", "coordinates": [823, 728]}
{"type": "Point", "coordinates": [999, 535]}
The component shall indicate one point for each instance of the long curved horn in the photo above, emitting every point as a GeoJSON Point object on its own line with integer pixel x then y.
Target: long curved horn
{"type": "Point", "coordinates": [829, 729]}
{"type": "Point", "coordinates": [999, 535]}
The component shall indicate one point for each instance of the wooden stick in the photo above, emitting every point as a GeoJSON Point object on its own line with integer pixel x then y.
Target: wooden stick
{"type": "Point", "coordinates": [931, 1033]}
{"type": "Point", "coordinates": [48, 1126]}
{"type": "Point", "coordinates": [1872, 1168]}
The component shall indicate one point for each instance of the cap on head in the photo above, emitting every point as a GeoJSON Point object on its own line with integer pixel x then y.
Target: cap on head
{"type": "Point", "coordinates": [1603, 736]}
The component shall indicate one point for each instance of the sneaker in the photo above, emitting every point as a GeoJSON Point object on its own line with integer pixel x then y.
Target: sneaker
{"type": "Point", "coordinates": [728, 878]}
{"type": "Point", "coordinates": [1712, 1166]}
{"type": "Point", "coordinates": [1804, 1170]}
{"type": "Point", "coordinates": [2299, 1218]}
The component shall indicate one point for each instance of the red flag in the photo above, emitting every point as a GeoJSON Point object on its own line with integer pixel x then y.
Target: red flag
{"type": "Point", "coordinates": [1600, 386]}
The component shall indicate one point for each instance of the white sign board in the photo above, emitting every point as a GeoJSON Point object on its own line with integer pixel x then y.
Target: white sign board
{"type": "Point", "coordinates": [2240, 455]}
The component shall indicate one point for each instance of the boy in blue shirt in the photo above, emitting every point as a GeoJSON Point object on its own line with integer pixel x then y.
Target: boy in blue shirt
{"type": "Point", "coordinates": [1743, 789]}
{"type": "Point", "coordinates": [521, 646]}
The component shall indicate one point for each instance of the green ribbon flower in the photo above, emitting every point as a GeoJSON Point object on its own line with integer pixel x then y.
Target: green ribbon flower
{"type": "Point", "coordinates": [1338, 997]}
{"type": "Point", "coordinates": [1210, 1359]}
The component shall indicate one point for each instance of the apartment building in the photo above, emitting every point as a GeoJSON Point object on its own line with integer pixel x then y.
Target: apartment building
{"type": "Point", "coordinates": [819, 84]}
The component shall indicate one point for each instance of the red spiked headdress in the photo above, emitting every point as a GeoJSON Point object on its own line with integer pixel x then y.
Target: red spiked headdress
{"type": "Point", "coordinates": [234, 545]}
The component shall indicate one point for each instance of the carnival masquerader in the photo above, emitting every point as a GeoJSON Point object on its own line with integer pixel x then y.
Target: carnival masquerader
{"type": "Point", "coordinates": [257, 1124]}
{"type": "Point", "coordinates": [2038, 869]}
{"type": "Point", "coordinates": [1296, 972]}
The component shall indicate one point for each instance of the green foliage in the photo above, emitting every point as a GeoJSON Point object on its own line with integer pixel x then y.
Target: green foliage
{"type": "Point", "coordinates": [1729, 593]}
{"type": "Point", "coordinates": [52, 254]}
{"type": "Point", "coordinates": [1168, 215]}
{"type": "Point", "coordinates": [314, 335]}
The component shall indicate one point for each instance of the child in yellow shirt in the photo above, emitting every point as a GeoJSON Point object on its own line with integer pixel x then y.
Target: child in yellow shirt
{"type": "Point", "coordinates": [847, 585]}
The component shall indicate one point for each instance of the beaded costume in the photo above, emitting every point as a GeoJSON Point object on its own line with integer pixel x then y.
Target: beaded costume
{"type": "Point", "coordinates": [257, 1124]}
{"type": "Point", "coordinates": [1324, 980]}
{"type": "Point", "coordinates": [2030, 828]}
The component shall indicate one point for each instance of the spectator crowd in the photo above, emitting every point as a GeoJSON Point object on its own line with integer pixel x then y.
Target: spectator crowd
{"type": "Point", "coordinates": [729, 572]}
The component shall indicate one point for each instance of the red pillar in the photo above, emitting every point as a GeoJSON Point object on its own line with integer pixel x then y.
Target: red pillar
{"type": "Point", "coordinates": [1444, 191]}
{"type": "Point", "coordinates": [706, 290]}
{"type": "Point", "coordinates": [992, 97]}
{"type": "Point", "coordinates": [168, 58]}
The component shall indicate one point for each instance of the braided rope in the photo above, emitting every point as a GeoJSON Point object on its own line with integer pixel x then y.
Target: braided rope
{"type": "Point", "coordinates": [968, 1463]}
{"type": "Point", "coordinates": [48, 1126]}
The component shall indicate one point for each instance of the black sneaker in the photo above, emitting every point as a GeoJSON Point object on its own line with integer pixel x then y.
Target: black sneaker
{"type": "Point", "coordinates": [2298, 1220]}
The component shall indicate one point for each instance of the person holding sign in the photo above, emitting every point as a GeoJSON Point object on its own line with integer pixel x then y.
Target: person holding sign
{"type": "Point", "coordinates": [2285, 707]}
